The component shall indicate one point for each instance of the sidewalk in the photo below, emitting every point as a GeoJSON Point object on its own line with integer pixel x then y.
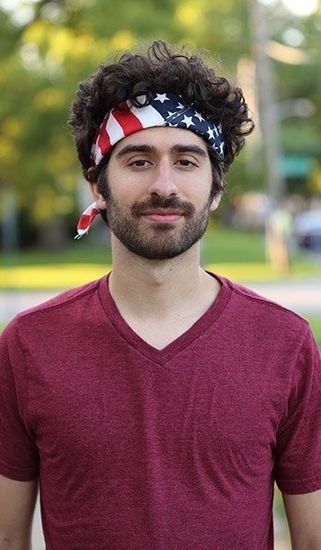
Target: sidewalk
{"type": "Point", "coordinates": [301, 296]}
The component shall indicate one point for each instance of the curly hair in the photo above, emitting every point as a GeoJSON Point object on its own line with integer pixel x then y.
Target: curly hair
{"type": "Point", "coordinates": [160, 69]}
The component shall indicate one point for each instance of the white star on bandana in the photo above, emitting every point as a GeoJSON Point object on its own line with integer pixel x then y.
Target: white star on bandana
{"type": "Point", "coordinates": [188, 120]}
{"type": "Point", "coordinates": [161, 97]}
{"type": "Point", "coordinates": [210, 133]}
{"type": "Point", "coordinates": [199, 116]}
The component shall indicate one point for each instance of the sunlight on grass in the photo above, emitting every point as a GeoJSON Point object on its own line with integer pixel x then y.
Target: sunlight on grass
{"type": "Point", "coordinates": [68, 275]}
{"type": "Point", "coordinates": [51, 276]}
{"type": "Point", "coordinates": [237, 255]}
{"type": "Point", "coordinates": [249, 272]}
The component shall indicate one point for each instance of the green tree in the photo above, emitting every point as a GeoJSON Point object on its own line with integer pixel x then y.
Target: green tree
{"type": "Point", "coordinates": [47, 46]}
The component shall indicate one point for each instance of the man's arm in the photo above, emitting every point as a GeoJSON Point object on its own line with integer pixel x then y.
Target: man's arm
{"type": "Point", "coordinates": [17, 504]}
{"type": "Point", "coordinates": [304, 518]}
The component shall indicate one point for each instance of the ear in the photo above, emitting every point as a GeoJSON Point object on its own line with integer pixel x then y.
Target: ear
{"type": "Point", "coordinates": [100, 201]}
{"type": "Point", "coordinates": [215, 202]}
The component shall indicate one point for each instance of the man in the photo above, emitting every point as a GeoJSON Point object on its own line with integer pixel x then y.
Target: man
{"type": "Point", "coordinates": [158, 405]}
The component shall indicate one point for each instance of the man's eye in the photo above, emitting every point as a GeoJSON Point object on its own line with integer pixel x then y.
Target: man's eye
{"type": "Point", "coordinates": [186, 162]}
{"type": "Point", "coordinates": [139, 163]}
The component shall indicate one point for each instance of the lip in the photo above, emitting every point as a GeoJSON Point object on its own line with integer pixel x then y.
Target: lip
{"type": "Point", "coordinates": [163, 216]}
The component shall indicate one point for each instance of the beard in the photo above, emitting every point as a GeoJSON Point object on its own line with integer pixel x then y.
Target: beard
{"type": "Point", "coordinates": [156, 241]}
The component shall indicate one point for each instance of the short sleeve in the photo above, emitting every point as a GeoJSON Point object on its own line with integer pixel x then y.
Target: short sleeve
{"type": "Point", "coordinates": [298, 452]}
{"type": "Point", "coordinates": [18, 452]}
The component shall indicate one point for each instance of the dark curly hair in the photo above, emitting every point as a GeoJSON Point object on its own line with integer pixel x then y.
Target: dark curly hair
{"type": "Point", "coordinates": [160, 69]}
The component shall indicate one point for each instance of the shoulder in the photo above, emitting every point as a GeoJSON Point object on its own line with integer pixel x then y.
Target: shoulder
{"type": "Point", "coordinates": [62, 300]}
{"type": "Point", "coordinates": [58, 313]}
{"type": "Point", "coordinates": [249, 298]}
{"type": "Point", "coordinates": [264, 316]}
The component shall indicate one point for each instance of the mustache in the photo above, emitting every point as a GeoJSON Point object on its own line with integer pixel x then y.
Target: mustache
{"type": "Point", "coordinates": [158, 202]}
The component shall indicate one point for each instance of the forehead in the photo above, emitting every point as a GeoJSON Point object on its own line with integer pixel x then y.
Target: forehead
{"type": "Point", "coordinates": [162, 138]}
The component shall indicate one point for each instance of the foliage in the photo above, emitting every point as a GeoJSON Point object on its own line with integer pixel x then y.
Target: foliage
{"type": "Point", "coordinates": [47, 46]}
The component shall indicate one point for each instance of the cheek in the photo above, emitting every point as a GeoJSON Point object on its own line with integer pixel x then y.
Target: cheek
{"type": "Point", "coordinates": [198, 189]}
{"type": "Point", "coordinates": [125, 187]}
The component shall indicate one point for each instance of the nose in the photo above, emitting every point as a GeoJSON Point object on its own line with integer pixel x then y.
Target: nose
{"type": "Point", "coordinates": [163, 183]}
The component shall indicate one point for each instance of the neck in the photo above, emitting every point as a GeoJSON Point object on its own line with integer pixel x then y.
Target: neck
{"type": "Point", "coordinates": [158, 288]}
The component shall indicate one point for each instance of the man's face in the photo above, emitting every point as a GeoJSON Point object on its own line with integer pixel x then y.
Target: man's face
{"type": "Point", "coordinates": [157, 198]}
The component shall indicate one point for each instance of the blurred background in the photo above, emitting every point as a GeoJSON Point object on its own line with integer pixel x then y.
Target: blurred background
{"type": "Point", "coordinates": [267, 232]}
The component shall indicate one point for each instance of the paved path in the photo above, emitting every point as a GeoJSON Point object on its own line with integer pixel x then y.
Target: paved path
{"type": "Point", "coordinates": [302, 296]}
{"type": "Point", "coordinates": [13, 301]}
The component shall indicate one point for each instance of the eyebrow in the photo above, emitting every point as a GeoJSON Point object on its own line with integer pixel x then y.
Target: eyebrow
{"type": "Point", "coordinates": [128, 149]}
{"type": "Point", "coordinates": [135, 149]}
{"type": "Point", "coordinates": [190, 149]}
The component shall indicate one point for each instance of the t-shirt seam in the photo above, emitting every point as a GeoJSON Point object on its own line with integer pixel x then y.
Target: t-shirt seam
{"type": "Point", "coordinates": [222, 307]}
{"type": "Point", "coordinates": [292, 484]}
{"type": "Point", "coordinates": [269, 303]}
{"type": "Point", "coordinates": [16, 470]}
{"type": "Point", "coordinates": [152, 360]}
{"type": "Point", "coordinates": [27, 391]}
{"type": "Point", "coordinates": [65, 301]}
{"type": "Point", "coordinates": [305, 335]}
{"type": "Point", "coordinates": [24, 347]}
{"type": "Point", "coordinates": [123, 337]}
{"type": "Point", "coordinates": [16, 392]}
{"type": "Point", "coordinates": [302, 480]}
{"type": "Point", "coordinates": [129, 343]}
{"type": "Point", "coordinates": [295, 360]}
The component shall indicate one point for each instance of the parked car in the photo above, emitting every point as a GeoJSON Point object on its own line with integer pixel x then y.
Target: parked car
{"type": "Point", "coordinates": [307, 230]}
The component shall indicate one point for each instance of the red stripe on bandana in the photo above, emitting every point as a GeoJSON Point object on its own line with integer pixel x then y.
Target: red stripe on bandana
{"type": "Point", "coordinates": [128, 121]}
{"type": "Point", "coordinates": [86, 220]}
{"type": "Point", "coordinates": [103, 141]}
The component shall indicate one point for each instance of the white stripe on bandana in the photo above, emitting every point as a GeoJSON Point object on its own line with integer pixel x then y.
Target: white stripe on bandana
{"type": "Point", "coordinates": [148, 116]}
{"type": "Point", "coordinates": [86, 219]}
{"type": "Point", "coordinates": [114, 130]}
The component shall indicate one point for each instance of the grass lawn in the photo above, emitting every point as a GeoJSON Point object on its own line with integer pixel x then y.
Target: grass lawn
{"type": "Point", "coordinates": [224, 245]}
{"type": "Point", "coordinates": [219, 245]}
{"type": "Point", "coordinates": [238, 255]}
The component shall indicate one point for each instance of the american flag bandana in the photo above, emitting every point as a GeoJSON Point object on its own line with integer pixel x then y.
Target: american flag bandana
{"type": "Point", "coordinates": [165, 109]}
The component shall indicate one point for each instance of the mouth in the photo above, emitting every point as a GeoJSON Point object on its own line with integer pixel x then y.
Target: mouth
{"type": "Point", "coordinates": [163, 216]}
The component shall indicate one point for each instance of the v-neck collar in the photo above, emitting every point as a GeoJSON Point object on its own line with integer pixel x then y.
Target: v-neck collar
{"type": "Point", "coordinates": [162, 356]}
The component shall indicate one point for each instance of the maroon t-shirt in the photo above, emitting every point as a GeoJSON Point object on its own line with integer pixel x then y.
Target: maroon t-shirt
{"type": "Point", "coordinates": [138, 448]}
